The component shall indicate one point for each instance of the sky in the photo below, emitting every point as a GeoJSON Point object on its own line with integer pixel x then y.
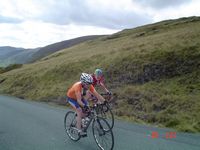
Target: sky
{"type": "Point", "coordinates": [37, 23]}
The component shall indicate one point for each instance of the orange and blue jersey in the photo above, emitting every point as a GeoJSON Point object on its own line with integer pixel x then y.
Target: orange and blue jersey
{"type": "Point", "coordinates": [77, 87]}
{"type": "Point", "coordinates": [71, 94]}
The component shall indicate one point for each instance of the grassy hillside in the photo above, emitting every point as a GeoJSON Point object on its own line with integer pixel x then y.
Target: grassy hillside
{"type": "Point", "coordinates": [49, 49]}
{"type": "Point", "coordinates": [154, 71]}
{"type": "Point", "coordinates": [12, 55]}
{"type": "Point", "coordinates": [10, 67]}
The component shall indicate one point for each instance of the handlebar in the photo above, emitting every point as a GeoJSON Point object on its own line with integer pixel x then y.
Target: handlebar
{"type": "Point", "coordinates": [107, 94]}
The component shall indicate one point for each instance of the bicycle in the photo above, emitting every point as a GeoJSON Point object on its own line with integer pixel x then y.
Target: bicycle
{"type": "Point", "coordinates": [101, 129]}
{"type": "Point", "coordinates": [105, 110]}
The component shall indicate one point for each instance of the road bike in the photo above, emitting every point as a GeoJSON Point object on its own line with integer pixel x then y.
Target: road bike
{"type": "Point", "coordinates": [101, 129]}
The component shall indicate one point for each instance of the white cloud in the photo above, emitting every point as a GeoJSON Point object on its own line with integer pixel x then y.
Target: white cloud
{"type": "Point", "coordinates": [4, 19]}
{"type": "Point", "coordinates": [22, 9]}
{"type": "Point", "coordinates": [183, 10]}
{"type": "Point", "coordinates": [109, 13]}
{"type": "Point", "coordinates": [37, 34]}
{"type": "Point", "coordinates": [160, 4]}
{"type": "Point", "coordinates": [34, 23]}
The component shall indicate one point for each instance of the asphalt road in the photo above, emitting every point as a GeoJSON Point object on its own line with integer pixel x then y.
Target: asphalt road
{"type": "Point", "coordinates": [28, 125]}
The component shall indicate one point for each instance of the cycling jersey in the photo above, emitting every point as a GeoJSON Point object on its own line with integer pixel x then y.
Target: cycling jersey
{"type": "Point", "coordinates": [77, 87]}
{"type": "Point", "coordinates": [95, 81]}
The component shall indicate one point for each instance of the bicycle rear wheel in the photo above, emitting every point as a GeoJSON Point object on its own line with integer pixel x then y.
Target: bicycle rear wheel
{"type": "Point", "coordinates": [70, 126]}
{"type": "Point", "coordinates": [102, 133]}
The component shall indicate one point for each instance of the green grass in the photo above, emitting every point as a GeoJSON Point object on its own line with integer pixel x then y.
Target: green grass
{"type": "Point", "coordinates": [9, 68]}
{"type": "Point", "coordinates": [171, 103]}
{"type": "Point", "coordinates": [153, 71]}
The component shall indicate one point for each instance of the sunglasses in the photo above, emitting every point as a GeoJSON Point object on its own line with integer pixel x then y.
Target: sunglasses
{"type": "Point", "coordinates": [86, 84]}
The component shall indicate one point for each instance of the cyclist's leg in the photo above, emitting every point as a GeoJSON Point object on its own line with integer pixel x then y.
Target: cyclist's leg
{"type": "Point", "coordinates": [78, 110]}
{"type": "Point", "coordinates": [79, 117]}
{"type": "Point", "coordinates": [85, 102]}
{"type": "Point", "coordinates": [90, 96]}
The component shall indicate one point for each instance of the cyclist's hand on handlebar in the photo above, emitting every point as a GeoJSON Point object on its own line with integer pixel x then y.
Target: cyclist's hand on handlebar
{"type": "Point", "coordinates": [109, 93]}
{"type": "Point", "coordinates": [105, 102]}
{"type": "Point", "coordinates": [85, 109]}
{"type": "Point", "coordinates": [104, 106]}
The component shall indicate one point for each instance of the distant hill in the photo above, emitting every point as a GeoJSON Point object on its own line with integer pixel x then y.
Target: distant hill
{"type": "Point", "coordinates": [6, 52]}
{"type": "Point", "coordinates": [21, 58]}
{"type": "Point", "coordinates": [12, 55]}
{"type": "Point", "coordinates": [49, 49]}
{"type": "Point", "coordinates": [152, 70]}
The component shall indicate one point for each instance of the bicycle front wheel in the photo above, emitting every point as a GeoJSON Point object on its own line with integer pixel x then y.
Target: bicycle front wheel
{"type": "Point", "coordinates": [107, 114]}
{"type": "Point", "coordinates": [103, 134]}
{"type": "Point", "coordinates": [70, 126]}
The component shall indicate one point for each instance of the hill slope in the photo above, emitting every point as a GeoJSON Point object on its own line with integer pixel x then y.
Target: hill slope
{"type": "Point", "coordinates": [154, 71]}
{"type": "Point", "coordinates": [12, 55]}
{"type": "Point", "coordinates": [6, 52]}
{"type": "Point", "coordinates": [49, 49]}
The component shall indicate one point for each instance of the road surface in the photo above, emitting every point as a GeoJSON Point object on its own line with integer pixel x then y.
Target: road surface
{"type": "Point", "coordinates": [26, 125]}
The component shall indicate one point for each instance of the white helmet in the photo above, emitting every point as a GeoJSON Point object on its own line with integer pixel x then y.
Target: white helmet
{"type": "Point", "coordinates": [86, 78]}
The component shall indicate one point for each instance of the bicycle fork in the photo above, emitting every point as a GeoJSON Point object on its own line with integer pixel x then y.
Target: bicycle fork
{"type": "Point", "coordinates": [101, 131]}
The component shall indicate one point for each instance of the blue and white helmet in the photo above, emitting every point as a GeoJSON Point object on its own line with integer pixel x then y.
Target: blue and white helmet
{"type": "Point", "coordinates": [98, 72]}
{"type": "Point", "coordinates": [86, 78]}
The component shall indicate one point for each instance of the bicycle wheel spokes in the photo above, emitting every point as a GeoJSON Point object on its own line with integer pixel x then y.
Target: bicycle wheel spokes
{"type": "Point", "coordinates": [107, 114]}
{"type": "Point", "coordinates": [70, 126]}
{"type": "Point", "coordinates": [102, 134]}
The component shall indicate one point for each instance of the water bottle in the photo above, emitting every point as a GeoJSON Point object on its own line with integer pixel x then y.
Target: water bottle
{"type": "Point", "coordinates": [83, 123]}
{"type": "Point", "coordinates": [87, 119]}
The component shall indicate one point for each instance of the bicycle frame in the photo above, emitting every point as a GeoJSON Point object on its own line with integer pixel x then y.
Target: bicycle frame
{"type": "Point", "coordinates": [92, 115]}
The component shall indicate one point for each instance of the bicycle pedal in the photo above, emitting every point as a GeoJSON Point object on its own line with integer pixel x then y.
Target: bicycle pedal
{"type": "Point", "coordinates": [84, 135]}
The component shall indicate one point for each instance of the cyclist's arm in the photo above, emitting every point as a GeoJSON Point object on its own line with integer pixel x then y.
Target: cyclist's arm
{"type": "Point", "coordinates": [98, 96]}
{"type": "Point", "coordinates": [104, 87]}
{"type": "Point", "coordinates": [78, 96]}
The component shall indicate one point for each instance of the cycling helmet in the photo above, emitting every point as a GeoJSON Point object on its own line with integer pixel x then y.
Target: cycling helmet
{"type": "Point", "coordinates": [86, 78]}
{"type": "Point", "coordinates": [98, 72]}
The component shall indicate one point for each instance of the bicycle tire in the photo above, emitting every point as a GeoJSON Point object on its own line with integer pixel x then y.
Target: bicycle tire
{"type": "Point", "coordinates": [99, 126]}
{"type": "Point", "coordinates": [108, 115]}
{"type": "Point", "coordinates": [71, 126]}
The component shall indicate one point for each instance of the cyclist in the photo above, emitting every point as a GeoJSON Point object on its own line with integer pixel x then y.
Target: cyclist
{"type": "Point", "coordinates": [98, 79]}
{"type": "Point", "coordinates": [77, 96]}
